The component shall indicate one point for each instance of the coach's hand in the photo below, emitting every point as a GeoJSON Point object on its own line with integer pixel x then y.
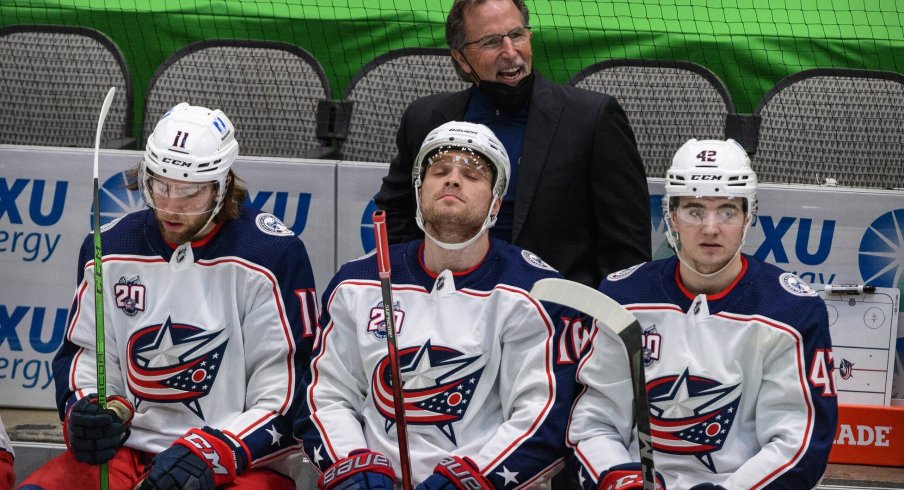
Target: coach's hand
{"type": "Point", "coordinates": [201, 459]}
{"type": "Point", "coordinates": [453, 473]}
{"type": "Point", "coordinates": [93, 434]}
{"type": "Point", "coordinates": [363, 469]}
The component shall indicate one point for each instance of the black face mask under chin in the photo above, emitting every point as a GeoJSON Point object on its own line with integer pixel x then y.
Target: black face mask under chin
{"type": "Point", "coordinates": [506, 97]}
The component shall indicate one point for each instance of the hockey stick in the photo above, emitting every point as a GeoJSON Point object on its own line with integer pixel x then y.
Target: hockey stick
{"type": "Point", "coordinates": [398, 397]}
{"type": "Point", "coordinates": [99, 281]}
{"type": "Point", "coordinates": [596, 304]}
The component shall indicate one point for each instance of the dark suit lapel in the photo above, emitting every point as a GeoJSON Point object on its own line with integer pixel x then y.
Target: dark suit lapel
{"type": "Point", "coordinates": [451, 108]}
{"type": "Point", "coordinates": [542, 122]}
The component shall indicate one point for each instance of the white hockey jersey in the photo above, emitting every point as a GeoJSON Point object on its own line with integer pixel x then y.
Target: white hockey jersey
{"type": "Point", "coordinates": [739, 383]}
{"type": "Point", "coordinates": [214, 333]}
{"type": "Point", "coordinates": [482, 375]}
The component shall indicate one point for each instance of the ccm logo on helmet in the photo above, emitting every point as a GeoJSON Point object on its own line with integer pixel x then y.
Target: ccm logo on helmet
{"type": "Point", "coordinates": [179, 163]}
{"type": "Point", "coordinates": [706, 177]}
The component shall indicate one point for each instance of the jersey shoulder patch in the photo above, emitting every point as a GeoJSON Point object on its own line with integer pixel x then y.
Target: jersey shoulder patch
{"type": "Point", "coordinates": [795, 285]}
{"type": "Point", "coordinates": [619, 275]}
{"type": "Point", "coordinates": [535, 260]}
{"type": "Point", "coordinates": [271, 225]}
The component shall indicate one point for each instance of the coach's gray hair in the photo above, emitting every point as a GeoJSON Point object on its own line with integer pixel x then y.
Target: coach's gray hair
{"type": "Point", "coordinates": [455, 27]}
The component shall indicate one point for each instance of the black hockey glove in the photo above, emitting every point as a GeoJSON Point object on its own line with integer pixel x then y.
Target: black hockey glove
{"type": "Point", "coordinates": [94, 434]}
{"type": "Point", "coordinates": [454, 473]}
{"type": "Point", "coordinates": [201, 459]}
{"type": "Point", "coordinates": [707, 486]}
{"type": "Point", "coordinates": [625, 477]}
{"type": "Point", "coordinates": [363, 469]}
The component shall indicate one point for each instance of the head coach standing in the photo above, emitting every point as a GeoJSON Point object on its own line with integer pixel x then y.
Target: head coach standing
{"type": "Point", "coordinates": [578, 195]}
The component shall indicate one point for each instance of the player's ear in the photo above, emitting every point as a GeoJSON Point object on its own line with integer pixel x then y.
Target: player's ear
{"type": "Point", "coordinates": [497, 204]}
{"type": "Point", "coordinates": [420, 194]}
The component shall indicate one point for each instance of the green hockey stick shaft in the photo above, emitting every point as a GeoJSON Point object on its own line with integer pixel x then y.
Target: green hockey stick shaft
{"type": "Point", "coordinates": [99, 281]}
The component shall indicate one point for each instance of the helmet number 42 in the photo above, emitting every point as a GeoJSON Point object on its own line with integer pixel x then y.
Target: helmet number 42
{"type": "Point", "coordinates": [707, 156]}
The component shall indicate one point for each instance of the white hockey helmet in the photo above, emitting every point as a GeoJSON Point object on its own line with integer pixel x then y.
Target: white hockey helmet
{"type": "Point", "coordinates": [709, 168]}
{"type": "Point", "coordinates": [190, 144]}
{"type": "Point", "coordinates": [472, 138]}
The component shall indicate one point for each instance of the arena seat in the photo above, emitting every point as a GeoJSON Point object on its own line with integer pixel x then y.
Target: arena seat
{"type": "Point", "coordinates": [54, 81]}
{"type": "Point", "coordinates": [841, 126]}
{"type": "Point", "coordinates": [381, 91]}
{"type": "Point", "coordinates": [667, 103]}
{"type": "Point", "coordinates": [270, 90]}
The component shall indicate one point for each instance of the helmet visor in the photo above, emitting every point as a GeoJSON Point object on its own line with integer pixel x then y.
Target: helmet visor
{"type": "Point", "coordinates": [474, 165]}
{"type": "Point", "coordinates": [731, 212]}
{"type": "Point", "coordinates": [177, 197]}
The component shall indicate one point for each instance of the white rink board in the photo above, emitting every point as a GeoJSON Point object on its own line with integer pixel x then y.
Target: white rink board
{"type": "Point", "coordinates": [356, 183]}
{"type": "Point", "coordinates": [864, 331]}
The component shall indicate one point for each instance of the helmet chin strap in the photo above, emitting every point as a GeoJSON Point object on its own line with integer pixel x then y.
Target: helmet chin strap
{"type": "Point", "coordinates": [684, 263]}
{"type": "Point", "coordinates": [222, 188]}
{"type": "Point", "coordinates": [675, 242]}
{"type": "Point", "coordinates": [221, 197]}
{"type": "Point", "coordinates": [487, 224]}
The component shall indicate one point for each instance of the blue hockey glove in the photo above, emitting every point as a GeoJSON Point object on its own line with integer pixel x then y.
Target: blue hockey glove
{"type": "Point", "coordinates": [454, 473]}
{"type": "Point", "coordinates": [177, 467]}
{"type": "Point", "coordinates": [94, 434]}
{"type": "Point", "coordinates": [707, 486]}
{"type": "Point", "coordinates": [363, 469]}
{"type": "Point", "coordinates": [626, 477]}
{"type": "Point", "coordinates": [202, 459]}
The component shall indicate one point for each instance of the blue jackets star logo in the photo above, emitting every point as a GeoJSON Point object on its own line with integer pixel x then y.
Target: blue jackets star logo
{"type": "Point", "coordinates": [437, 384]}
{"type": "Point", "coordinates": [174, 363]}
{"type": "Point", "coordinates": [845, 369]}
{"type": "Point", "coordinates": [691, 415]}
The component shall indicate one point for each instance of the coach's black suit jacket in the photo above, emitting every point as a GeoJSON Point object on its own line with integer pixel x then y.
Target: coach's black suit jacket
{"type": "Point", "coordinates": [581, 201]}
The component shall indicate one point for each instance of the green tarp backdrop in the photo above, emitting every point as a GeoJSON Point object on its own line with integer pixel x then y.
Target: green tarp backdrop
{"type": "Point", "coordinates": [749, 44]}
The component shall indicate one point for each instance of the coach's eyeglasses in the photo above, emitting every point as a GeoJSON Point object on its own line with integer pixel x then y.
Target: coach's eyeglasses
{"type": "Point", "coordinates": [493, 42]}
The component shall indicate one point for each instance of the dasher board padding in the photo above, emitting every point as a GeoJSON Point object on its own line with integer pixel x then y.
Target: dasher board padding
{"type": "Point", "coordinates": [864, 328]}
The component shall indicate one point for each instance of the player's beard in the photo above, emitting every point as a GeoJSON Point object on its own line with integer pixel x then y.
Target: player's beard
{"type": "Point", "coordinates": [192, 224]}
{"type": "Point", "coordinates": [453, 226]}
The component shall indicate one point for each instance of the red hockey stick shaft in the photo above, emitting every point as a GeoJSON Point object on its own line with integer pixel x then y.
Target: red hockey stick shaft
{"type": "Point", "coordinates": [398, 398]}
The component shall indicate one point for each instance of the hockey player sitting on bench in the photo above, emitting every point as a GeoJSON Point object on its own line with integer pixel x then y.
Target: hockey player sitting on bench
{"type": "Point", "coordinates": [731, 345]}
{"type": "Point", "coordinates": [486, 399]}
{"type": "Point", "coordinates": [204, 330]}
